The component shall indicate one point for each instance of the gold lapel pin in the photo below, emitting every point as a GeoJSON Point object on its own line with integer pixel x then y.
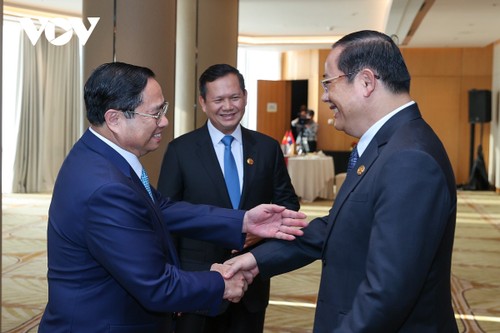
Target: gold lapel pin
{"type": "Point", "coordinates": [249, 161]}
{"type": "Point", "coordinates": [360, 170]}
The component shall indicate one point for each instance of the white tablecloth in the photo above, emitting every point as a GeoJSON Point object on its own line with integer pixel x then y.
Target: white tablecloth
{"type": "Point", "coordinates": [312, 176]}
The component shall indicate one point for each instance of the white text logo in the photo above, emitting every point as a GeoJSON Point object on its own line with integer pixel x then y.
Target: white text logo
{"type": "Point", "coordinates": [49, 26]}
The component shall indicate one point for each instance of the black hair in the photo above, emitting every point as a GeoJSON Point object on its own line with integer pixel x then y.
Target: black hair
{"type": "Point", "coordinates": [377, 51]}
{"type": "Point", "coordinates": [215, 72]}
{"type": "Point", "coordinates": [114, 85]}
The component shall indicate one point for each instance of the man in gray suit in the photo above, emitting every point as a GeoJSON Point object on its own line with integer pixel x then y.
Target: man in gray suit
{"type": "Point", "coordinates": [193, 171]}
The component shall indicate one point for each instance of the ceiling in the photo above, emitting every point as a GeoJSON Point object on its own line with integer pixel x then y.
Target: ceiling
{"type": "Point", "coordinates": [289, 24]}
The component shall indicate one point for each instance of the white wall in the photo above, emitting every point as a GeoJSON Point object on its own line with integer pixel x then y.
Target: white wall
{"type": "Point", "coordinates": [494, 161]}
{"type": "Point", "coordinates": [10, 113]}
{"type": "Point", "coordinates": [256, 65]}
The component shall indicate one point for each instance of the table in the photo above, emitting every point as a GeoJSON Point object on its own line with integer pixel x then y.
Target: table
{"type": "Point", "coordinates": [312, 176]}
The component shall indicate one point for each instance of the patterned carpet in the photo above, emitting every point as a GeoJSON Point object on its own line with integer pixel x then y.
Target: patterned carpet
{"type": "Point", "coordinates": [475, 278]}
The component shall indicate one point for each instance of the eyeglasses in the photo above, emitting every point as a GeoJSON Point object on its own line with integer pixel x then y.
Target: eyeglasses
{"type": "Point", "coordinates": [158, 116]}
{"type": "Point", "coordinates": [326, 82]}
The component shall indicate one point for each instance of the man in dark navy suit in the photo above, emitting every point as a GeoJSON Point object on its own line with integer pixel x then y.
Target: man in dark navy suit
{"type": "Point", "coordinates": [386, 245]}
{"type": "Point", "coordinates": [193, 170]}
{"type": "Point", "coordinates": [112, 264]}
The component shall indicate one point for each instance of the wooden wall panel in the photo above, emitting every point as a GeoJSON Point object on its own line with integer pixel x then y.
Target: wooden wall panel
{"type": "Point", "coordinates": [433, 62]}
{"type": "Point", "coordinates": [439, 101]}
{"type": "Point", "coordinates": [478, 61]}
{"type": "Point", "coordinates": [274, 124]}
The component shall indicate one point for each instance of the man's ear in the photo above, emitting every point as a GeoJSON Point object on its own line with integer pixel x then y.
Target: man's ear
{"type": "Point", "coordinates": [368, 80]}
{"type": "Point", "coordinates": [245, 96]}
{"type": "Point", "coordinates": [202, 103]}
{"type": "Point", "coordinates": [112, 118]}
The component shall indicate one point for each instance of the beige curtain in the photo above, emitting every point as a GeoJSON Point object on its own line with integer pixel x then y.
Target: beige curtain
{"type": "Point", "coordinates": [51, 116]}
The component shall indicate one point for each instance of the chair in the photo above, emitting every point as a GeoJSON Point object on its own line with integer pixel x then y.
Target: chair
{"type": "Point", "coordinates": [338, 181]}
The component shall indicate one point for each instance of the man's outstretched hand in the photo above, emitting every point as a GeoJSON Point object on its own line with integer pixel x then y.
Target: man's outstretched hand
{"type": "Point", "coordinates": [273, 221]}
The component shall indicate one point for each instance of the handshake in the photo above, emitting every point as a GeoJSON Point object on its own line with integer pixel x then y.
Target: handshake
{"type": "Point", "coordinates": [238, 273]}
{"type": "Point", "coordinates": [263, 221]}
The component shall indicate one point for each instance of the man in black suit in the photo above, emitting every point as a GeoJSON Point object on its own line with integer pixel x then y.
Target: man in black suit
{"type": "Point", "coordinates": [193, 171]}
{"type": "Point", "coordinates": [386, 245]}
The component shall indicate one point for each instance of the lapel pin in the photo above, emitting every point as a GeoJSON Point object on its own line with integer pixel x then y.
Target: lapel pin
{"type": "Point", "coordinates": [360, 170]}
{"type": "Point", "coordinates": [249, 161]}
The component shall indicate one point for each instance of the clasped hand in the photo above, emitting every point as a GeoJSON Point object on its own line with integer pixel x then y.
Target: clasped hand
{"type": "Point", "coordinates": [238, 273]}
{"type": "Point", "coordinates": [236, 284]}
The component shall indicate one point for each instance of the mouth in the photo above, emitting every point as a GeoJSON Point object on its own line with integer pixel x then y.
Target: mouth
{"type": "Point", "coordinates": [157, 136]}
{"type": "Point", "coordinates": [334, 108]}
{"type": "Point", "coordinates": [228, 116]}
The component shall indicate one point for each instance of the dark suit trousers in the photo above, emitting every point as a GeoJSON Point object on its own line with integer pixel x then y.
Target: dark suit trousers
{"type": "Point", "coordinates": [236, 319]}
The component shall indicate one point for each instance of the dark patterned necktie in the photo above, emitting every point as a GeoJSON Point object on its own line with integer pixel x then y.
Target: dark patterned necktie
{"type": "Point", "coordinates": [353, 158]}
{"type": "Point", "coordinates": [231, 172]}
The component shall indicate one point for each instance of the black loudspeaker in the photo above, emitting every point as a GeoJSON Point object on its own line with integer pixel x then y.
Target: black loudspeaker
{"type": "Point", "coordinates": [479, 106]}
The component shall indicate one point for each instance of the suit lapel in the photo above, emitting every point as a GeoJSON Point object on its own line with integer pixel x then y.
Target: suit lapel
{"type": "Point", "coordinates": [366, 160]}
{"type": "Point", "coordinates": [207, 159]}
{"type": "Point", "coordinates": [94, 143]}
{"type": "Point", "coordinates": [168, 243]}
{"type": "Point", "coordinates": [250, 157]}
{"type": "Point", "coordinates": [353, 178]}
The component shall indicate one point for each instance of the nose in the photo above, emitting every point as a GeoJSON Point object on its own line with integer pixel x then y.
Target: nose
{"type": "Point", "coordinates": [324, 97]}
{"type": "Point", "coordinates": [227, 105]}
{"type": "Point", "coordinates": [163, 121]}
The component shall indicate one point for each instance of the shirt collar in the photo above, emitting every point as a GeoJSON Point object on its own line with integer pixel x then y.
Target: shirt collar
{"type": "Point", "coordinates": [128, 156]}
{"type": "Point", "coordinates": [217, 135]}
{"type": "Point", "coordinates": [368, 136]}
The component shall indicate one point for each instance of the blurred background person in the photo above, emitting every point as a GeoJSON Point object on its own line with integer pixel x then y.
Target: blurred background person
{"type": "Point", "coordinates": [306, 130]}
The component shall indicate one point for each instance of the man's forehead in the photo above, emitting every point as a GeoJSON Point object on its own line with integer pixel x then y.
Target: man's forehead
{"type": "Point", "coordinates": [152, 92]}
{"type": "Point", "coordinates": [331, 63]}
{"type": "Point", "coordinates": [229, 77]}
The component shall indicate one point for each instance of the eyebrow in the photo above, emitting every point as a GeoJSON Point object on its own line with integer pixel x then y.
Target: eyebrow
{"type": "Point", "coordinates": [159, 107]}
{"type": "Point", "coordinates": [227, 96]}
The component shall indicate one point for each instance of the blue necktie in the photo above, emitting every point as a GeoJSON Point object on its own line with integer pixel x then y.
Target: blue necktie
{"type": "Point", "coordinates": [145, 182]}
{"type": "Point", "coordinates": [353, 158]}
{"type": "Point", "coordinates": [231, 172]}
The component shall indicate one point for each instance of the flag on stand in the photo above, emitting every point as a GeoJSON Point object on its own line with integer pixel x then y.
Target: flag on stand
{"type": "Point", "coordinates": [288, 143]}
